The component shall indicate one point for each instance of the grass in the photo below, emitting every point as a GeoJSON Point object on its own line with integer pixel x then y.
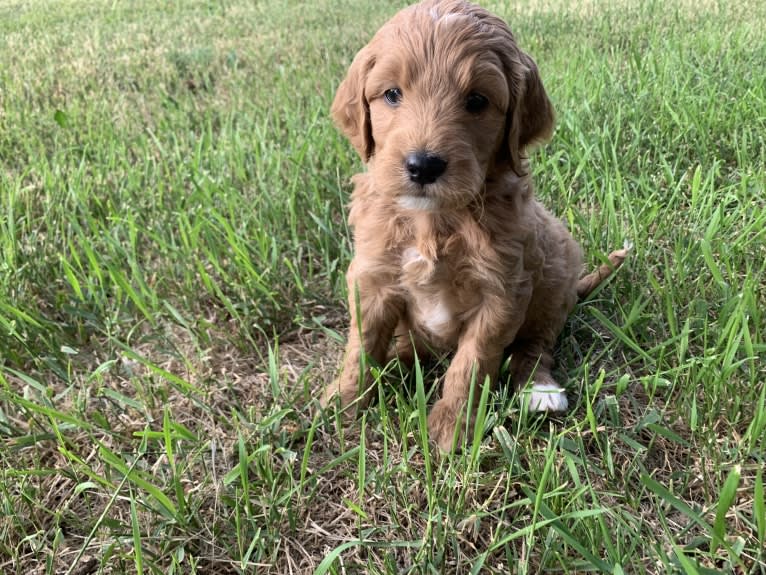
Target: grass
{"type": "Point", "coordinates": [172, 250]}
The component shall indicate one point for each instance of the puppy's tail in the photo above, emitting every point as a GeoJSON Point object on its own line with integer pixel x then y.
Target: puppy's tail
{"type": "Point", "coordinates": [590, 282]}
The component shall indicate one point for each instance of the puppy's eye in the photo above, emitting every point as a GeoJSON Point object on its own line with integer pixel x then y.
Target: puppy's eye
{"type": "Point", "coordinates": [393, 96]}
{"type": "Point", "coordinates": [476, 103]}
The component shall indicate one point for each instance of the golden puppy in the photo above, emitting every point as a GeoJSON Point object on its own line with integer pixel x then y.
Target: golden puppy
{"type": "Point", "coordinates": [452, 250]}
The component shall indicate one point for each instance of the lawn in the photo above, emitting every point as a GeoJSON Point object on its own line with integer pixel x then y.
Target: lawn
{"type": "Point", "coordinates": [172, 251]}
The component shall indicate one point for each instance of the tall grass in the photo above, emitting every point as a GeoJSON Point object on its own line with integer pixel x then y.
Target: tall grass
{"type": "Point", "coordinates": [172, 250]}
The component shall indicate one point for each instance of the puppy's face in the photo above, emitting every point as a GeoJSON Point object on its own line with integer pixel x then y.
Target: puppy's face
{"type": "Point", "coordinates": [437, 118]}
{"type": "Point", "coordinates": [439, 101]}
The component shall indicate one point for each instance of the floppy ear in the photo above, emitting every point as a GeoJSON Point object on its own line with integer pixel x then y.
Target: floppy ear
{"type": "Point", "coordinates": [351, 110]}
{"type": "Point", "coordinates": [530, 118]}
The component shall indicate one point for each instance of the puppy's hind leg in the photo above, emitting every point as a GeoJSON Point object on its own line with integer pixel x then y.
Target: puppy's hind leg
{"type": "Point", "coordinates": [531, 360]}
{"type": "Point", "coordinates": [547, 313]}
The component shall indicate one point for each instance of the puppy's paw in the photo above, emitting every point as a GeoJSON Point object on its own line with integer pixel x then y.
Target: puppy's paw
{"type": "Point", "coordinates": [547, 397]}
{"type": "Point", "coordinates": [329, 394]}
{"type": "Point", "coordinates": [349, 394]}
{"type": "Point", "coordinates": [442, 422]}
{"type": "Point", "coordinates": [345, 393]}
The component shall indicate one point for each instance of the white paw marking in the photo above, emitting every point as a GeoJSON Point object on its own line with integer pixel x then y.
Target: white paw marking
{"type": "Point", "coordinates": [417, 203]}
{"type": "Point", "coordinates": [547, 397]}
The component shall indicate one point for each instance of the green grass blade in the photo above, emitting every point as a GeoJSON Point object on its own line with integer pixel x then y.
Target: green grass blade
{"type": "Point", "coordinates": [135, 530]}
{"type": "Point", "coordinates": [759, 509]}
{"type": "Point", "coordinates": [725, 500]}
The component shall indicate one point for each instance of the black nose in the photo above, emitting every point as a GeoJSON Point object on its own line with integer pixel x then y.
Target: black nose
{"type": "Point", "coordinates": [424, 167]}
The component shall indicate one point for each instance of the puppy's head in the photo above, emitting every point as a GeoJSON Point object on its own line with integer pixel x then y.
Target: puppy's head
{"type": "Point", "coordinates": [440, 100]}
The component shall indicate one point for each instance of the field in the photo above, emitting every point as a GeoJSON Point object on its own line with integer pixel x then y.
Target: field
{"type": "Point", "coordinates": [172, 252]}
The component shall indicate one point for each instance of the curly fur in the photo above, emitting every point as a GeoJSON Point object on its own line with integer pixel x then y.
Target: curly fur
{"type": "Point", "coordinates": [470, 263]}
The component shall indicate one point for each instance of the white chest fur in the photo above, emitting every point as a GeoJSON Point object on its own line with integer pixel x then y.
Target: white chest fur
{"type": "Point", "coordinates": [432, 304]}
{"type": "Point", "coordinates": [436, 315]}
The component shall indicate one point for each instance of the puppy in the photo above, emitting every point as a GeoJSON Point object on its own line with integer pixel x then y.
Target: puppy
{"type": "Point", "coordinates": [452, 250]}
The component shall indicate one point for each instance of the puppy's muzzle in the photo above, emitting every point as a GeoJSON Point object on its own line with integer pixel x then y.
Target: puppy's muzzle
{"type": "Point", "coordinates": [424, 167]}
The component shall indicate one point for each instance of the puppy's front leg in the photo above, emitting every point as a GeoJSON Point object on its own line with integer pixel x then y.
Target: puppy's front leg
{"type": "Point", "coordinates": [374, 316]}
{"type": "Point", "coordinates": [452, 408]}
{"type": "Point", "coordinates": [479, 354]}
